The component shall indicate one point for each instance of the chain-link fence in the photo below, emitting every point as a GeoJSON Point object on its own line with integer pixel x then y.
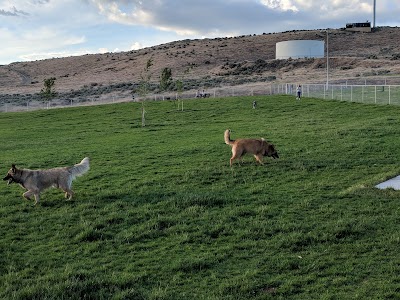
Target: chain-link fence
{"type": "Point", "coordinates": [373, 94]}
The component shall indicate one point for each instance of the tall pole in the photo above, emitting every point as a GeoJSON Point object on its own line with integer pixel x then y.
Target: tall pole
{"type": "Point", "coordinates": [374, 13]}
{"type": "Point", "coordinates": [327, 60]}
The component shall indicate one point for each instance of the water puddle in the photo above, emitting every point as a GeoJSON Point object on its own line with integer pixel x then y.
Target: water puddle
{"type": "Point", "coordinates": [393, 183]}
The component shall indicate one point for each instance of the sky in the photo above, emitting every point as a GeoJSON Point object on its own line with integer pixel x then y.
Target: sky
{"type": "Point", "coordinates": [41, 29]}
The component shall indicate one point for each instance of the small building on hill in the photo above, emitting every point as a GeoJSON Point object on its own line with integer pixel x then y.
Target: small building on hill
{"type": "Point", "coordinates": [364, 27]}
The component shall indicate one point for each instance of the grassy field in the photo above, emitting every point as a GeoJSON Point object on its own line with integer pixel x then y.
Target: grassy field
{"type": "Point", "coordinates": [161, 215]}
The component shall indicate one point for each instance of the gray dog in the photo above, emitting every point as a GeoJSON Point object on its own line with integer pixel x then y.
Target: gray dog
{"type": "Point", "coordinates": [35, 181]}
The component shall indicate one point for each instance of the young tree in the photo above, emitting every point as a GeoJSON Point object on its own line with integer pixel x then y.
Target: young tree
{"type": "Point", "coordinates": [179, 89]}
{"type": "Point", "coordinates": [180, 86]}
{"type": "Point", "coordinates": [145, 86]}
{"type": "Point", "coordinates": [166, 79]}
{"type": "Point", "coordinates": [47, 92]}
{"type": "Point", "coordinates": [145, 78]}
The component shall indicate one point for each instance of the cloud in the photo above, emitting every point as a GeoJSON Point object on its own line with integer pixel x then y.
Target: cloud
{"type": "Point", "coordinates": [124, 12]}
{"type": "Point", "coordinates": [47, 37]}
{"type": "Point", "coordinates": [283, 5]}
{"type": "Point", "coordinates": [48, 55]}
{"type": "Point", "coordinates": [136, 46]}
{"type": "Point", "coordinates": [38, 43]}
{"type": "Point", "coordinates": [41, 1]}
{"type": "Point", "coordinates": [103, 50]}
{"type": "Point", "coordinates": [226, 17]}
{"type": "Point", "coordinates": [13, 12]}
{"type": "Point", "coordinates": [184, 19]}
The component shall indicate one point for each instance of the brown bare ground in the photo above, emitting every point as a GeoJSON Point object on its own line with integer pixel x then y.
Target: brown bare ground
{"type": "Point", "coordinates": [353, 55]}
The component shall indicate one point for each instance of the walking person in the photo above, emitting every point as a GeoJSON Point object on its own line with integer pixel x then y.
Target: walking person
{"type": "Point", "coordinates": [298, 92]}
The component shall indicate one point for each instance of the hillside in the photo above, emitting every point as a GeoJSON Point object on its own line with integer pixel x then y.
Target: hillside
{"type": "Point", "coordinates": [235, 60]}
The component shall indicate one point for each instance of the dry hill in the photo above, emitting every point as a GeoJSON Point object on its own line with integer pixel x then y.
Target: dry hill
{"type": "Point", "coordinates": [212, 62]}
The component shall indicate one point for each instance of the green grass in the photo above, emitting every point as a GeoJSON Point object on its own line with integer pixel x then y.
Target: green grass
{"type": "Point", "coordinates": [161, 215]}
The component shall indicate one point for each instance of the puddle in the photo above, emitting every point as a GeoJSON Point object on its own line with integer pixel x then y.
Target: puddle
{"type": "Point", "coordinates": [393, 183]}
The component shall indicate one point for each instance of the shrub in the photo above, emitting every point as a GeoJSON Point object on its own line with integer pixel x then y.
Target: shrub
{"type": "Point", "coordinates": [396, 56]}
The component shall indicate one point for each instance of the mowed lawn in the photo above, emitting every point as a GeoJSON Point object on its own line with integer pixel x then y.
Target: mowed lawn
{"type": "Point", "coordinates": [162, 215]}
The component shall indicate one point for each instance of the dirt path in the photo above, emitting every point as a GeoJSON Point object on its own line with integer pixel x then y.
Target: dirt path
{"type": "Point", "coordinates": [25, 78]}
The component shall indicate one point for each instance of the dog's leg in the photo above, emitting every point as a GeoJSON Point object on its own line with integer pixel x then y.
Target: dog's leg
{"type": "Point", "coordinates": [259, 159]}
{"type": "Point", "coordinates": [27, 195]}
{"type": "Point", "coordinates": [37, 198]}
{"type": "Point", "coordinates": [68, 194]}
{"type": "Point", "coordinates": [232, 158]}
{"type": "Point", "coordinates": [235, 155]}
{"type": "Point", "coordinates": [67, 188]}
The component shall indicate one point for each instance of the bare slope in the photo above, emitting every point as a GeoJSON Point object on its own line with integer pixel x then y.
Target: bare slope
{"type": "Point", "coordinates": [353, 55]}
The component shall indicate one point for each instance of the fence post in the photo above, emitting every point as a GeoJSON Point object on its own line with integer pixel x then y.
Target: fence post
{"type": "Point", "coordinates": [389, 94]}
{"type": "Point", "coordinates": [341, 92]}
{"type": "Point", "coordinates": [375, 94]}
{"type": "Point", "coordinates": [362, 94]}
{"type": "Point", "coordinates": [351, 93]}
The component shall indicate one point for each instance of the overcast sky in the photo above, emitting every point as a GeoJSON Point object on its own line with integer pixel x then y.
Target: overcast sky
{"type": "Point", "coordinates": [39, 29]}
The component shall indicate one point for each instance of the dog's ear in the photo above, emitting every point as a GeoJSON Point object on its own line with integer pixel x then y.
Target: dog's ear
{"type": "Point", "coordinates": [13, 167]}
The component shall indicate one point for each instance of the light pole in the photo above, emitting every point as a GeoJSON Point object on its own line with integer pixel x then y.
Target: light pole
{"type": "Point", "coordinates": [374, 13]}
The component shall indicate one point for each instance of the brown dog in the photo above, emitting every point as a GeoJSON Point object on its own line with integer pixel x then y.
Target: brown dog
{"type": "Point", "coordinates": [258, 147]}
{"type": "Point", "coordinates": [35, 181]}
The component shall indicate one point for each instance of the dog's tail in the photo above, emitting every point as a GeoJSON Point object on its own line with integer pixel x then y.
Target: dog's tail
{"type": "Point", "coordinates": [227, 137]}
{"type": "Point", "coordinates": [80, 169]}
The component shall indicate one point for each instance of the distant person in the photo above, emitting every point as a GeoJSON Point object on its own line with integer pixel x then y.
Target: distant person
{"type": "Point", "coordinates": [254, 104]}
{"type": "Point", "coordinates": [298, 92]}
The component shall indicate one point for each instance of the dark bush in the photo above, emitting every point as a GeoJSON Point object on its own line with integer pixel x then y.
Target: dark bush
{"type": "Point", "coordinates": [395, 56]}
